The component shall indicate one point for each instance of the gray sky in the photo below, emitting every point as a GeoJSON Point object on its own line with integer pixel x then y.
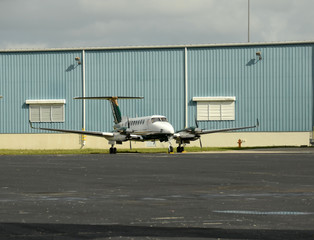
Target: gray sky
{"type": "Point", "coordinates": [106, 23]}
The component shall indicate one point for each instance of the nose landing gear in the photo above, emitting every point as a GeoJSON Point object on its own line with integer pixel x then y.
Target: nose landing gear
{"type": "Point", "coordinates": [170, 149]}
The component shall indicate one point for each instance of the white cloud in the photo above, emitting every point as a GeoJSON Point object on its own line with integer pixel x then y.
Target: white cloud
{"type": "Point", "coordinates": [79, 23]}
{"type": "Point", "coordinates": [22, 45]}
{"type": "Point", "coordinates": [282, 20]}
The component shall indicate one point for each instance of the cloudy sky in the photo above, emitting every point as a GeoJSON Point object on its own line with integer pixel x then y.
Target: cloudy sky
{"type": "Point", "coordinates": [107, 23]}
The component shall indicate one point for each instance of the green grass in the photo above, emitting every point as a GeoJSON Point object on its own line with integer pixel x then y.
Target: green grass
{"type": "Point", "coordinates": [106, 151]}
{"type": "Point", "coordinates": [86, 151]}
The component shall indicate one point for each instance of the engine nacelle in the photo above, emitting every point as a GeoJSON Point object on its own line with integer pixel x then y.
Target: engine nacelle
{"type": "Point", "coordinates": [118, 137]}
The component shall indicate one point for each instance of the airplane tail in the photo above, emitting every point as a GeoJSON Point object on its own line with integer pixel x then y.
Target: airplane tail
{"type": "Point", "coordinates": [114, 105]}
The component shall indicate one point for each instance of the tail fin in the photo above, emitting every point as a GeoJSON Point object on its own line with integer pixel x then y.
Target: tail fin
{"type": "Point", "coordinates": [114, 105]}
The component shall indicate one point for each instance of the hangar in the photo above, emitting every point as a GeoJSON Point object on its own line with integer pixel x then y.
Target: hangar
{"type": "Point", "coordinates": [221, 85]}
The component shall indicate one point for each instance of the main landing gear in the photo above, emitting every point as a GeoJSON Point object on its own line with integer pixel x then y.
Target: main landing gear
{"type": "Point", "coordinates": [112, 150]}
{"type": "Point", "coordinates": [181, 146]}
{"type": "Point", "coordinates": [180, 149]}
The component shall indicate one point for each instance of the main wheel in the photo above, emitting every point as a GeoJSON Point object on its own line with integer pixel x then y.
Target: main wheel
{"type": "Point", "coordinates": [112, 150]}
{"type": "Point", "coordinates": [179, 149]}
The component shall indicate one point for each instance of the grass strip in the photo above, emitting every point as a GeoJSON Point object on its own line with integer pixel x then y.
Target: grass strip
{"type": "Point", "coordinates": [136, 150]}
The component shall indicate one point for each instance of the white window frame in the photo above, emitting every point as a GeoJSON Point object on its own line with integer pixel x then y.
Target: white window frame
{"type": "Point", "coordinates": [215, 108]}
{"type": "Point", "coordinates": [47, 110]}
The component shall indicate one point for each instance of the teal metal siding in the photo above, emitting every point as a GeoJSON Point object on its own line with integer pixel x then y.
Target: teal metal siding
{"type": "Point", "coordinates": [277, 89]}
{"type": "Point", "coordinates": [38, 75]}
{"type": "Point", "coordinates": [155, 74]}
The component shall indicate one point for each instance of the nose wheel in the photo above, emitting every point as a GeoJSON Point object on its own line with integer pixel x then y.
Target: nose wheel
{"type": "Point", "coordinates": [170, 149]}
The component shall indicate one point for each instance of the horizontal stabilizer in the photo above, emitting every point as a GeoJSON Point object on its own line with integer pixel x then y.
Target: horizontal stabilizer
{"type": "Point", "coordinates": [108, 98]}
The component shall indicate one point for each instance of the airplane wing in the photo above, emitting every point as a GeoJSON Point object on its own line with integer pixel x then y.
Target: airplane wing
{"type": "Point", "coordinates": [194, 133]}
{"type": "Point", "coordinates": [228, 129]}
{"type": "Point", "coordinates": [91, 133]}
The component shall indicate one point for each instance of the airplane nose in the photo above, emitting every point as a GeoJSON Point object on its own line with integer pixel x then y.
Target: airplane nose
{"type": "Point", "coordinates": [164, 127]}
{"type": "Point", "coordinates": [168, 129]}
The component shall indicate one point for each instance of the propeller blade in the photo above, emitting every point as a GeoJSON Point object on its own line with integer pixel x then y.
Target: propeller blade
{"type": "Point", "coordinates": [201, 143]}
{"type": "Point", "coordinates": [130, 145]}
{"type": "Point", "coordinates": [128, 123]}
{"type": "Point", "coordinates": [196, 123]}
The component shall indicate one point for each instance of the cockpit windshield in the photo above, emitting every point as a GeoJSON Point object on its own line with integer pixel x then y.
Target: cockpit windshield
{"type": "Point", "coordinates": [159, 119]}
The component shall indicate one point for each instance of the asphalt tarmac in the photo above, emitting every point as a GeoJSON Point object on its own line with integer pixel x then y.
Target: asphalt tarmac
{"type": "Point", "coordinates": [252, 195]}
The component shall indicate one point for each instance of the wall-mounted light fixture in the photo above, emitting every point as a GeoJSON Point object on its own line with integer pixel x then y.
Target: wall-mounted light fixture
{"type": "Point", "coordinates": [259, 55]}
{"type": "Point", "coordinates": [78, 60]}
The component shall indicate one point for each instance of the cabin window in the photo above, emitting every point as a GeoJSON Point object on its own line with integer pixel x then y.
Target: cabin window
{"type": "Point", "coordinates": [155, 120]}
{"type": "Point", "coordinates": [161, 119]}
{"type": "Point", "coordinates": [215, 108]}
{"type": "Point", "coordinates": [46, 110]}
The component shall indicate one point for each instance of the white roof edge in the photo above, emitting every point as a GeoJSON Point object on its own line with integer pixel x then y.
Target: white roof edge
{"type": "Point", "coordinates": [156, 116]}
{"type": "Point", "coordinates": [159, 46]}
{"type": "Point", "coordinates": [46, 101]}
{"type": "Point", "coordinates": [213, 99]}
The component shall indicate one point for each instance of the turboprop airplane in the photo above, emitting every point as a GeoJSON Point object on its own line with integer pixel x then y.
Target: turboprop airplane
{"type": "Point", "coordinates": [149, 128]}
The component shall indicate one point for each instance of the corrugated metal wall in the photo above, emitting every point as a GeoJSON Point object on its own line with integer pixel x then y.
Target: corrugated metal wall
{"type": "Point", "coordinates": [277, 89]}
{"type": "Point", "coordinates": [155, 74]}
{"type": "Point", "coordinates": [38, 75]}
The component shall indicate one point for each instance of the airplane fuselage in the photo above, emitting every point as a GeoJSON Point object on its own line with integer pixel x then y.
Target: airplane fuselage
{"type": "Point", "coordinates": [149, 128]}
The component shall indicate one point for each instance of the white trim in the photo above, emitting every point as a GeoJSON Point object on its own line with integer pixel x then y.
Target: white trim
{"type": "Point", "coordinates": [159, 46]}
{"type": "Point", "coordinates": [46, 101]}
{"type": "Point", "coordinates": [214, 99]}
{"type": "Point", "coordinates": [83, 79]}
{"type": "Point", "coordinates": [186, 85]}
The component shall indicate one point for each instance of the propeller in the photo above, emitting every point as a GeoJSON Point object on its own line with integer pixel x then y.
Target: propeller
{"type": "Point", "coordinates": [196, 124]}
{"type": "Point", "coordinates": [129, 128]}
